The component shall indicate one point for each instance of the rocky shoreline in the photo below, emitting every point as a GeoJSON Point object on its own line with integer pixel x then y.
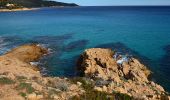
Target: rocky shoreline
{"type": "Point", "coordinates": [102, 78]}
{"type": "Point", "coordinates": [17, 9]}
{"type": "Point", "coordinates": [19, 80]}
{"type": "Point", "coordinates": [131, 78]}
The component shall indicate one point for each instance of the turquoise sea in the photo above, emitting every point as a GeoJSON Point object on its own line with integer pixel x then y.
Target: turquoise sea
{"type": "Point", "coordinates": [141, 31]}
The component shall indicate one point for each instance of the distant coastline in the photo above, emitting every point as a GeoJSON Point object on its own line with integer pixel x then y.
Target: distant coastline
{"type": "Point", "coordinates": [23, 5]}
{"type": "Point", "coordinates": [28, 9]}
{"type": "Point", "coordinates": [18, 9]}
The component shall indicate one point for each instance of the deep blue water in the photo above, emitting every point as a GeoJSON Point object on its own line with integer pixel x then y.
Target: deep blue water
{"type": "Point", "coordinates": [141, 31]}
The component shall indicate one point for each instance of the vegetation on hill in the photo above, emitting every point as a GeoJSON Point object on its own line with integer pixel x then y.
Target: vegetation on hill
{"type": "Point", "coordinates": [33, 3]}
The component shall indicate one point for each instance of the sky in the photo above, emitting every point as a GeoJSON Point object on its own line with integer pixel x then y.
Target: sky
{"type": "Point", "coordinates": [117, 2]}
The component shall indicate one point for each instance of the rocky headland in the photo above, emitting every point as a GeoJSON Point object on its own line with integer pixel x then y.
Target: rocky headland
{"type": "Point", "coordinates": [19, 80]}
{"type": "Point", "coordinates": [131, 79]}
{"type": "Point", "coordinates": [23, 5]}
{"type": "Point", "coordinates": [102, 78]}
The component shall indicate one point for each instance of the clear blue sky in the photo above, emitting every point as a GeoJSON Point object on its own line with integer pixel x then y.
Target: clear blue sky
{"type": "Point", "coordinates": [117, 2]}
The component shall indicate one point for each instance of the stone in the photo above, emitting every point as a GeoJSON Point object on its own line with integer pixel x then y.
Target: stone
{"type": "Point", "coordinates": [98, 88]}
{"type": "Point", "coordinates": [159, 87]}
{"type": "Point", "coordinates": [126, 69]}
{"type": "Point", "coordinates": [39, 97]}
{"type": "Point", "coordinates": [153, 84]}
{"type": "Point", "coordinates": [37, 86]}
{"type": "Point", "coordinates": [32, 96]}
{"type": "Point", "coordinates": [79, 83]}
{"type": "Point", "coordinates": [73, 87]}
{"type": "Point", "coordinates": [56, 97]}
{"type": "Point", "coordinates": [104, 88]}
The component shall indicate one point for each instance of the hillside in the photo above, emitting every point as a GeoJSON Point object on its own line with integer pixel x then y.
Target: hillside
{"type": "Point", "coordinates": [33, 3]}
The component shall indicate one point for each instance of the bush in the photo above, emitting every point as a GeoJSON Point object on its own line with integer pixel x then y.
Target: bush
{"type": "Point", "coordinates": [121, 96]}
{"type": "Point", "coordinates": [5, 80]}
{"type": "Point", "coordinates": [21, 78]}
{"type": "Point", "coordinates": [23, 94]}
{"type": "Point", "coordinates": [86, 83]}
{"type": "Point", "coordinates": [61, 86]}
{"type": "Point", "coordinates": [92, 94]}
{"type": "Point", "coordinates": [27, 86]}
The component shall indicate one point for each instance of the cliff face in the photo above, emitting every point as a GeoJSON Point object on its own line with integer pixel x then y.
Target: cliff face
{"type": "Point", "coordinates": [131, 78]}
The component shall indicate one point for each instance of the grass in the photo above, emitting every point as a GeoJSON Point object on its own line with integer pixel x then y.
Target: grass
{"type": "Point", "coordinates": [86, 83]}
{"type": "Point", "coordinates": [21, 78]}
{"type": "Point", "coordinates": [27, 86]}
{"type": "Point", "coordinates": [23, 94]}
{"type": "Point", "coordinates": [121, 96]}
{"type": "Point", "coordinates": [124, 79]}
{"type": "Point", "coordinates": [62, 86]}
{"type": "Point", "coordinates": [5, 80]}
{"type": "Point", "coordinates": [92, 94]}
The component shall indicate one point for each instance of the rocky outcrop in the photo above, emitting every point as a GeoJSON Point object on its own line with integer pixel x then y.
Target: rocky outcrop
{"type": "Point", "coordinates": [19, 80]}
{"type": "Point", "coordinates": [131, 78]}
{"type": "Point", "coordinates": [17, 61]}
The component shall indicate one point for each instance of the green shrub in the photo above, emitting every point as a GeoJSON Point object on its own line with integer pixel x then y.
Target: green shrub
{"type": "Point", "coordinates": [23, 94]}
{"type": "Point", "coordinates": [21, 78]}
{"type": "Point", "coordinates": [5, 80]}
{"type": "Point", "coordinates": [62, 86]}
{"type": "Point", "coordinates": [27, 86]}
{"type": "Point", "coordinates": [92, 94]}
{"type": "Point", "coordinates": [96, 95]}
{"type": "Point", "coordinates": [86, 83]}
{"type": "Point", "coordinates": [121, 96]}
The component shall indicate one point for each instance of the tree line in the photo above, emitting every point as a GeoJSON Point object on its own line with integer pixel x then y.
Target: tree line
{"type": "Point", "coordinates": [34, 3]}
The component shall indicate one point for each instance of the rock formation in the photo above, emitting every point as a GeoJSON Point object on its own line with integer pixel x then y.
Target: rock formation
{"type": "Point", "coordinates": [19, 80]}
{"type": "Point", "coordinates": [131, 79]}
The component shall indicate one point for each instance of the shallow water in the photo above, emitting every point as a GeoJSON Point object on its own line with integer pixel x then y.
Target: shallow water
{"type": "Point", "coordinates": [141, 31]}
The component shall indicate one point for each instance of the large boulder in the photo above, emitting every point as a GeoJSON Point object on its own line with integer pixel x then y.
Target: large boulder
{"type": "Point", "coordinates": [132, 78]}
{"type": "Point", "coordinates": [27, 53]}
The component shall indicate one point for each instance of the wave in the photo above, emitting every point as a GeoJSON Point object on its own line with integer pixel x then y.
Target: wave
{"type": "Point", "coordinates": [3, 45]}
{"type": "Point", "coordinates": [34, 63]}
{"type": "Point", "coordinates": [50, 51]}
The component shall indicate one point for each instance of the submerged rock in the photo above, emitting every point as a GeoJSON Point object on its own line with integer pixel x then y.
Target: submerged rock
{"type": "Point", "coordinates": [131, 78]}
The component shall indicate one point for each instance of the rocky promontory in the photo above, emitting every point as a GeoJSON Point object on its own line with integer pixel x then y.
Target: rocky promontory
{"type": "Point", "coordinates": [130, 78]}
{"type": "Point", "coordinates": [103, 78]}
{"type": "Point", "coordinates": [19, 80]}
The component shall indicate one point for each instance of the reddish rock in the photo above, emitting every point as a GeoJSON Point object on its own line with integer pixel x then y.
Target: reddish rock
{"type": "Point", "coordinates": [131, 78]}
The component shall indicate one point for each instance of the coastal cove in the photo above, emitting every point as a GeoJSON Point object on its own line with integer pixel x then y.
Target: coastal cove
{"type": "Point", "coordinates": [144, 33]}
